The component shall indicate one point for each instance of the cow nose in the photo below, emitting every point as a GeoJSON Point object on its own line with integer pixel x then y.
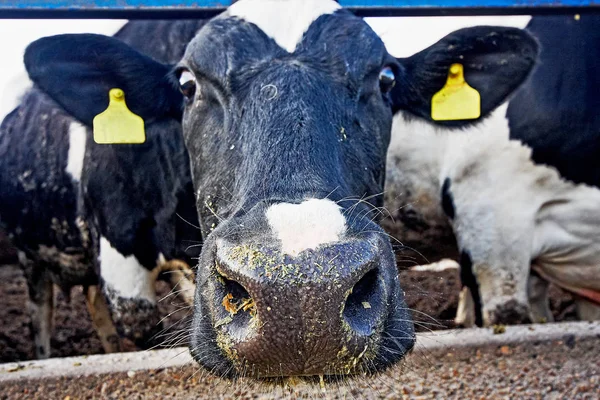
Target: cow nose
{"type": "Point", "coordinates": [316, 313]}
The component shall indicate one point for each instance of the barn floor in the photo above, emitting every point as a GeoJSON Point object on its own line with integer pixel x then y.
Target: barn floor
{"type": "Point", "coordinates": [432, 295]}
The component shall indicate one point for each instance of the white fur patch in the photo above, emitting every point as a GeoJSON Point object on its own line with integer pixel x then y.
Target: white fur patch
{"type": "Point", "coordinates": [125, 274]}
{"type": "Point", "coordinates": [307, 225]}
{"type": "Point", "coordinates": [77, 139]}
{"type": "Point", "coordinates": [285, 21]}
{"type": "Point", "coordinates": [439, 266]}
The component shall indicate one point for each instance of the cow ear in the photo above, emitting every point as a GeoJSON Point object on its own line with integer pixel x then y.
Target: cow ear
{"type": "Point", "coordinates": [496, 60]}
{"type": "Point", "coordinates": [78, 71]}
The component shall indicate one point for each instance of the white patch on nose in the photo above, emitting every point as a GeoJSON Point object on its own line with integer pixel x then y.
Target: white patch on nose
{"type": "Point", "coordinates": [306, 225]}
{"type": "Point", "coordinates": [77, 139]}
{"type": "Point", "coordinates": [125, 274]}
{"type": "Point", "coordinates": [285, 21]}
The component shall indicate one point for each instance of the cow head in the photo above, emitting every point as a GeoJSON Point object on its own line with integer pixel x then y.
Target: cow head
{"type": "Point", "coordinates": [287, 110]}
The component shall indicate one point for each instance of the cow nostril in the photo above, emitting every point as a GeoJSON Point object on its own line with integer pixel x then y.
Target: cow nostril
{"type": "Point", "coordinates": [364, 305]}
{"type": "Point", "coordinates": [238, 309]}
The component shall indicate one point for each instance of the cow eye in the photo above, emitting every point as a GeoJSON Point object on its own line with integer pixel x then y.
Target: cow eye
{"type": "Point", "coordinates": [387, 79]}
{"type": "Point", "coordinates": [187, 83]}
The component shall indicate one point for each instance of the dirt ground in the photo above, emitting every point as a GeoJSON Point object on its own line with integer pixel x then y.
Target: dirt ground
{"type": "Point", "coordinates": [73, 333]}
{"type": "Point", "coordinates": [561, 369]}
{"type": "Point", "coordinates": [432, 296]}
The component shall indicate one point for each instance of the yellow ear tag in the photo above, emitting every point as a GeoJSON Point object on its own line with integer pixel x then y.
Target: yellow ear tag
{"type": "Point", "coordinates": [456, 100]}
{"type": "Point", "coordinates": [117, 124]}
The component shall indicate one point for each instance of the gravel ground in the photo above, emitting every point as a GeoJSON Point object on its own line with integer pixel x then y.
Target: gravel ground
{"type": "Point", "coordinates": [558, 369]}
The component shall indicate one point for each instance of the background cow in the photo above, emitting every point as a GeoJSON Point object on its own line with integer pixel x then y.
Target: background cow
{"type": "Point", "coordinates": [78, 211]}
{"type": "Point", "coordinates": [288, 111]}
{"type": "Point", "coordinates": [519, 192]}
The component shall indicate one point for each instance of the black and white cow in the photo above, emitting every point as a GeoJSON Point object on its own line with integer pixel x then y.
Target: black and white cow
{"type": "Point", "coordinates": [287, 112]}
{"type": "Point", "coordinates": [520, 191]}
{"type": "Point", "coordinates": [78, 211]}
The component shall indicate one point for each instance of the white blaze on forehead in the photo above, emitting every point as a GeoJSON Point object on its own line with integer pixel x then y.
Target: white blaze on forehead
{"type": "Point", "coordinates": [77, 139]}
{"type": "Point", "coordinates": [285, 21]}
{"type": "Point", "coordinates": [306, 225]}
{"type": "Point", "coordinates": [125, 274]}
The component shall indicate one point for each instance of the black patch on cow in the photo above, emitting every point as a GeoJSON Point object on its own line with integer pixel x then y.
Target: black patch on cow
{"type": "Point", "coordinates": [555, 112]}
{"type": "Point", "coordinates": [101, 52]}
{"type": "Point", "coordinates": [468, 279]}
{"type": "Point", "coordinates": [447, 199]}
{"type": "Point", "coordinates": [301, 156]}
{"type": "Point", "coordinates": [138, 196]}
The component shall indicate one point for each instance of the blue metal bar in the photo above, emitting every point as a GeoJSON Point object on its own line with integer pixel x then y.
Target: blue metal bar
{"type": "Point", "coordinates": [207, 8]}
{"type": "Point", "coordinates": [110, 8]}
{"type": "Point", "coordinates": [468, 7]}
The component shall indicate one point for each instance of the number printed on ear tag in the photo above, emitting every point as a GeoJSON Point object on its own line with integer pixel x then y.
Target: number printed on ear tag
{"type": "Point", "coordinates": [456, 100]}
{"type": "Point", "coordinates": [117, 124]}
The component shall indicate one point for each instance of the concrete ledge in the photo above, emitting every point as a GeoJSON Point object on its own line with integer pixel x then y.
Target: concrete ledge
{"type": "Point", "coordinates": [479, 337]}
{"type": "Point", "coordinates": [177, 357]}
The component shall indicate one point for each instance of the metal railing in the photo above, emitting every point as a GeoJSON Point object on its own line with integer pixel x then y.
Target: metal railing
{"type": "Point", "coordinates": [207, 8]}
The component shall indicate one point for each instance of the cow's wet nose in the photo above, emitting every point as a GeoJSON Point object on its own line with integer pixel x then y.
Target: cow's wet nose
{"type": "Point", "coordinates": [319, 312]}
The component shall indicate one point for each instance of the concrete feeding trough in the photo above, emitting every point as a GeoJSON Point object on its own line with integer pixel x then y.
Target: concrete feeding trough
{"type": "Point", "coordinates": [528, 361]}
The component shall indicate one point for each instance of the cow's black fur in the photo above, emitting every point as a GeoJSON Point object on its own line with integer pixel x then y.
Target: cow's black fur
{"type": "Point", "coordinates": [447, 199]}
{"type": "Point", "coordinates": [556, 111]}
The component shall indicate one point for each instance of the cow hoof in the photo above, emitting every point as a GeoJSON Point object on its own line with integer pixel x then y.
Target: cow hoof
{"type": "Point", "coordinates": [112, 344]}
{"type": "Point", "coordinates": [509, 313]}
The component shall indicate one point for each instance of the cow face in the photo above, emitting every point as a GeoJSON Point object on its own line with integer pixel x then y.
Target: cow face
{"type": "Point", "coordinates": [287, 124]}
{"type": "Point", "coordinates": [287, 133]}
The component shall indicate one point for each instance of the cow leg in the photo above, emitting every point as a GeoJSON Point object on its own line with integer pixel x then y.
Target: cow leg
{"type": "Point", "coordinates": [465, 314]}
{"type": "Point", "coordinates": [587, 310]}
{"type": "Point", "coordinates": [181, 278]}
{"type": "Point", "coordinates": [101, 320]}
{"type": "Point", "coordinates": [128, 288]}
{"type": "Point", "coordinates": [41, 309]}
{"type": "Point", "coordinates": [537, 291]}
{"type": "Point", "coordinates": [495, 248]}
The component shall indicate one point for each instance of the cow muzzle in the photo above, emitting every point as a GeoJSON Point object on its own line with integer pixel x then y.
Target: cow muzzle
{"type": "Point", "coordinates": [323, 312]}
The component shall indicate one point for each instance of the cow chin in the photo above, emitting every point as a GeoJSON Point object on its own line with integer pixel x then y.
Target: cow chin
{"type": "Point", "coordinates": [265, 310]}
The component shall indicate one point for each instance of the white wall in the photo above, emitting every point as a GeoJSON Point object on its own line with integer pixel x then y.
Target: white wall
{"type": "Point", "coordinates": [406, 36]}
{"type": "Point", "coordinates": [15, 35]}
